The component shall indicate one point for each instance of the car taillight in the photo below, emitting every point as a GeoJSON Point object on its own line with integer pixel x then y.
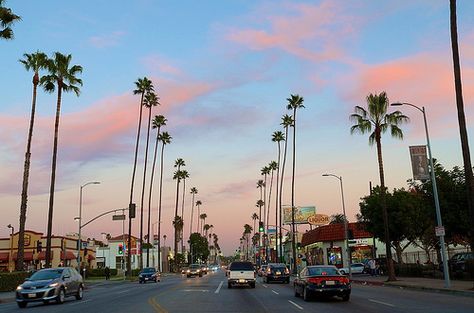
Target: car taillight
{"type": "Point", "coordinates": [314, 280]}
{"type": "Point", "coordinates": [287, 271]}
{"type": "Point", "coordinates": [344, 280]}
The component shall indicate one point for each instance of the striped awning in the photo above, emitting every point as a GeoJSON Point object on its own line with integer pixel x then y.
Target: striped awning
{"type": "Point", "coordinates": [67, 255]}
{"type": "Point", "coordinates": [4, 256]}
{"type": "Point", "coordinates": [42, 255]}
{"type": "Point", "coordinates": [27, 256]}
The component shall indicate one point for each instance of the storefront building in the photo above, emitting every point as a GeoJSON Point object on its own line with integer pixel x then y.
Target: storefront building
{"type": "Point", "coordinates": [325, 245]}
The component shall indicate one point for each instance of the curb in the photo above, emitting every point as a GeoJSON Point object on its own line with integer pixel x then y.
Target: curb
{"type": "Point", "coordinates": [466, 293]}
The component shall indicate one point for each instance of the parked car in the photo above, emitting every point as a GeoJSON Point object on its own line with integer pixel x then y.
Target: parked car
{"type": "Point", "coordinates": [149, 274]}
{"type": "Point", "coordinates": [276, 272]}
{"type": "Point", "coordinates": [322, 280]}
{"type": "Point", "coordinates": [356, 268]}
{"type": "Point", "coordinates": [241, 273]}
{"type": "Point", "coordinates": [457, 263]}
{"type": "Point", "coordinates": [194, 270]}
{"type": "Point", "coordinates": [50, 284]}
{"type": "Point", "coordinates": [261, 270]}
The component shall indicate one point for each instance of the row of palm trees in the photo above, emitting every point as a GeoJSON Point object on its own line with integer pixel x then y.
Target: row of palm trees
{"type": "Point", "coordinates": [61, 76]}
{"type": "Point", "coordinates": [277, 168]}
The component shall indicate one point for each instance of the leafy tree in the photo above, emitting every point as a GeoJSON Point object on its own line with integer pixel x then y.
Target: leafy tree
{"type": "Point", "coordinates": [337, 219]}
{"type": "Point", "coordinates": [376, 121]}
{"type": "Point", "coordinates": [63, 77]}
{"type": "Point", "coordinates": [199, 246]}
{"type": "Point", "coordinates": [7, 19]}
{"type": "Point", "coordinates": [34, 62]}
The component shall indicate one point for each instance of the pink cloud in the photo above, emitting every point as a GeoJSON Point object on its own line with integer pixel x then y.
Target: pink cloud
{"type": "Point", "coordinates": [107, 40]}
{"type": "Point", "coordinates": [159, 64]}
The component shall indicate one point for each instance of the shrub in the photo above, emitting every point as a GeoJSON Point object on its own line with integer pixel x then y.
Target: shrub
{"type": "Point", "coordinates": [100, 272]}
{"type": "Point", "coordinates": [9, 281]}
{"type": "Point", "coordinates": [413, 270]}
{"type": "Point", "coordinates": [470, 268]}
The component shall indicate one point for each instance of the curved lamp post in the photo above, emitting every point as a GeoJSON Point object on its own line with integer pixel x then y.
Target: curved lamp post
{"type": "Point", "coordinates": [435, 193]}
{"type": "Point", "coordinates": [79, 242]}
{"type": "Point", "coordinates": [346, 236]}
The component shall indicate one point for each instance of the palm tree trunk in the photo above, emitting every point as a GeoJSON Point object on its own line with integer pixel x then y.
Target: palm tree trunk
{"type": "Point", "coordinates": [129, 243]}
{"type": "Point", "coordinates": [53, 178]}
{"type": "Point", "coordinates": [192, 216]}
{"type": "Point", "coordinates": [176, 236]}
{"type": "Point", "coordinates": [182, 214]}
{"type": "Point", "coordinates": [293, 237]}
{"type": "Point", "coordinates": [388, 249]}
{"type": "Point", "coordinates": [281, 191]}
{"type": "Point", "coordinates": [268, 208]}
{"type": "Point", "coordinates": [199, 219]}
{"type": "Point", "coordinates": [466, 155]}
{"type": "Point", "coordinates": [26, 174]}
{"type": "Point", "coordinates": [277, 230]}
{"type": "Point", "coordinates": [143, 193]}
{"type": "Point", "coordinates": [159, 205]}
{"type": "Point", "coordinates": [151, 192]}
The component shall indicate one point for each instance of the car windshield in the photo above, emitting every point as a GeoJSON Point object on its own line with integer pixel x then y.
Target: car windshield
{"type": "Point", "coordinates": [278, 268]}
{"type": "Point", "coordinates": [195, 266]}
{"type": "Point", "coordinates": [47, 274]}
{"type": "Point", "coordinates": [324, 271]}
{"type": "Point", "coordinates": [241, 266]}
{"type": "Point", "coordinates": [148, 270]}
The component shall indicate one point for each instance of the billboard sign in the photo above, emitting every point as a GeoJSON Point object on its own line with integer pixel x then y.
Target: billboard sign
{"type": "Point", "coordinates": [419, 162]}
{"type": "Point", "coordinates": [301, 214]}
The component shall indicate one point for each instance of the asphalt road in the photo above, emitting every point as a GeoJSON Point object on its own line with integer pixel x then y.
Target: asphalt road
{"type": "Point", "coordinates": [210, 294]}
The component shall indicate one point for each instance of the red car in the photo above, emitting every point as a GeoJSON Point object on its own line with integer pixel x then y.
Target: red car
{"type": "Point", "coordinates": [322, 280]}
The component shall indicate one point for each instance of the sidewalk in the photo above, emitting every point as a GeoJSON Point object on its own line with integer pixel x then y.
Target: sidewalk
{"type": "Point", "coordinates": [459, 287]}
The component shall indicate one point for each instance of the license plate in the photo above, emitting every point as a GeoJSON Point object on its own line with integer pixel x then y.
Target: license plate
{"type": "Point", "coordinates": [241, 280]}
{"type": "Point", "coordinates": [278, 273]}
{"type": "Point", "coordinates": [31, 295]}
{"type": "Point", "coordinates": [330, 282]}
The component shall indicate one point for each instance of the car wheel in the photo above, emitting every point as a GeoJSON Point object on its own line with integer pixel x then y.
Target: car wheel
{"type": "Point", "coordinates": [61, 296]}
{"type": "Point", "coordinates": [80, 293]}
{"type": "Point", "coordinates": [229, 286]}
{"type": "Point", "coordinates": [252, 285]}
{"type": "Point", "coordinates": [45, 302]}
{"type": "Point", "coordinates": [22, 304]}
{"type": "Point", "coordinates": [306, 294]}
{"type": "Point", "coordinates": [346, 297]}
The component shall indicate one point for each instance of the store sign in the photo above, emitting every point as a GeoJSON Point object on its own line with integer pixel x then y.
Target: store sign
{"type": "Point", "coordinates": [27, 239]}
{"type": "Point", "coordinates": [318, 219]}
{"type": "Point", "coordinates": [301, 214]}
{"type": "Point", "coordinates": [360, 241]}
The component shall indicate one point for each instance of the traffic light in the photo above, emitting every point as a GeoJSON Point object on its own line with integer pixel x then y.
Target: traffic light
{"type": "Point", "coordinates": [131, 210]}
{"type": "Point", "coordinates": [39, 246]}
{"type": "Point", "coordinates": [120, 249]}
{"type": "Point", "coordinates": [260, 227]}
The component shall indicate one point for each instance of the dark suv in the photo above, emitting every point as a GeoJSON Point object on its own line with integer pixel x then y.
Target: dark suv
{"type": "Point", "coordinates": [276, 272]}
{"type": "Point", "coordinates": [457, 263]}
{"type": "Point", "coordinates": [149, 274]}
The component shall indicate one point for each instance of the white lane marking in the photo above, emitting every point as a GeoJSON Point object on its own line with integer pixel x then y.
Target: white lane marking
{"type": "Point", "coordinates": [296, 305]}
{"type": "Point", "coordinates": [219, 288]}
{"type": "Point", "coordinates": [80, 302]}
{"type": "Point", "coordinates": [264, 285]}
{"type": "Point", "coordinates": [200, 290]}
{"type": "Point", "coordinates": [380, 302]}
{"type": "Point", "coordinates": [275, 292]}
{"type": "Point", "coordinates": [123, 291]}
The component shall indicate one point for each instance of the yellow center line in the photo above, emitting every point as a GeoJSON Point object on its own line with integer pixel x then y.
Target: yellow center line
{"type": "Point", "coordinates": [154, 303]}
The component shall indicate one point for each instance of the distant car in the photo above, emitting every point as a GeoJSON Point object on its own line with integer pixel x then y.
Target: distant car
{"type": "Point", "coordinates": [356, 268]}
{"type": "Point", "coordinates": [276, 272]}
{"type": "Point", "coordinates": [194, 270]}
{"type": "Point", "coordinates": [149, 274]}
{"type": "Point", "coordinates": [261, 270]}
{"type": "Point", "coordinates": [50, 284]}
{"type": "Point", "coordinates": [322, 280]}
{"type": "Point", "coordinates": [204, 268]}
{"type": "Point", "coordinates": [184, 270]}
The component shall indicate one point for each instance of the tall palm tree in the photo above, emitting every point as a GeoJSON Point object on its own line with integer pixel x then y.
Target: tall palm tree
{"type": "Point", "coordinates": [165, 139]}
{"type": "Point", "coordinates": [203, 217]}
{"type": "Point", "coordinates": [178, 226]}
{"type": "Point", "coordinates": [157, 122]}
{"type": "Point", "coordinates": [272, 166]}
{"type": "Point", "coordinates": [194, 192]}
{"type": "Point", "coordinates": [277, 137]}
{"type": "Point", "coordinates": [7, 19]}
{"type": "Point", "coordinates": [466, 155]}
{"type": "Point", "coordinates": [198, 204]}
{"type": "Point", "coordinates": [295, 102]}
{"type": "Point", "coordinates": [177, 176]}
{"type": "Point", "coordinates": [143, 86]}
{"type": "Point", "coordinates": [184, 176]}
{"type": "Point", "coordinates": [260, 185]}
{"type": "Point", "coordinates": [150, 100]}
{"type": "Point", "coordinates": [34, 62]}
{"type": "Point", "coordinates": [247, 231]}
{"type": "Point", "coordinates": [254, 218]}
{"type": "Point", "coordinates": [287, 122]}
{"type": "Point", "coordinates": [205, 229]}
{"type": "Point", "coordinates": [265, 171]}
{"type": "Point", "coordinates": [376, 121]}
{"type": "Point", "coordinates": [63, 76]}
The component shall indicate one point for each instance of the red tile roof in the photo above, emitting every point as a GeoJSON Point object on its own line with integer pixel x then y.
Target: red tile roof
{"type": "Point", "coordinates": [333, 232]}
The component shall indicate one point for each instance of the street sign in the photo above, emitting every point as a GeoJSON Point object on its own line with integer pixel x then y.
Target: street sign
{"type": "Point", "coordinates": [439, 231]}
{"type": "Point", "coordinates": [119, 217]}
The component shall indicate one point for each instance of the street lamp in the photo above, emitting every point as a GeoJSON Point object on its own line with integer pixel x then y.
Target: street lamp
{"type": "Point", "coordinates": [345, 224]}
{"type": "Point", "coordinates": [10, 257]}
{"type": "Point", "coordinates": [447, 283]}
{"type": "Point", "coordinates": [79, 243]}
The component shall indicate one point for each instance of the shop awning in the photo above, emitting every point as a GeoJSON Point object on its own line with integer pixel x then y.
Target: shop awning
{"type": "Point", "coordinates": [42, 255]}
{"type": "Point", "coordinates": [4, 256]}
{"type": "Point", "coordinates": [27, 256]}
{"type": "Point", "coordinates": [67, 255]}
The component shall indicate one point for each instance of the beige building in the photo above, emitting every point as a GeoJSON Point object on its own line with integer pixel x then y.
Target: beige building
{"type": "Point", "coordinates": [63, 250]}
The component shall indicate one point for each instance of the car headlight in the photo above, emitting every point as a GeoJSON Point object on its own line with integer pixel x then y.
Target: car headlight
{"type": "Point", "coordinates": [198, 271]}
{"type": "Point", "coordinates": [53, 285]}
{"type": "Point", "coordinates": [19, 288]}
{"type": "Point", "coordinates": [188, 271]}
{"type": "Point", "coordinates": [140, 275]}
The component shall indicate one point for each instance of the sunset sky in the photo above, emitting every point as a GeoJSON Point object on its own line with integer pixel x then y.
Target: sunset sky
{"type": "Point", "coordinates": [223, 71]}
